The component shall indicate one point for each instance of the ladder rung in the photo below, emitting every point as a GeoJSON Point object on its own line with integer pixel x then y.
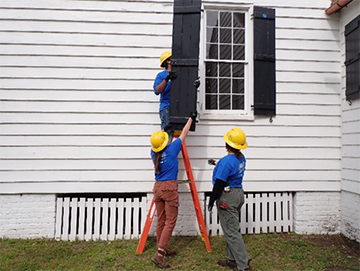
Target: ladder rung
{"type": "Point", "coordinates": [183, 181]}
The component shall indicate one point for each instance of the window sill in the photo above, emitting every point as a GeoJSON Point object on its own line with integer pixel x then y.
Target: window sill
{"type": "Point", "coordinates": [218, 116]}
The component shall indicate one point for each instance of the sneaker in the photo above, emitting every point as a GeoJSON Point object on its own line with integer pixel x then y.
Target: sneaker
{"type": "Point", "coordinates": [170, 252]}
{"type": "Point", "coordinates": [227, 262]}
{"type": "Point", "coordinates": [159, 260]}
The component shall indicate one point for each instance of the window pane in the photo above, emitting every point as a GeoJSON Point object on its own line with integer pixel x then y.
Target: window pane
{"type": "Point", "coordinates": [238, 102]}
{"type": "Point", "coordinates": [238, 70]}
{"type": "Point", "coordinates": [239, 20]}
{"type": "Point", "coordinates": [224, 70]}
{"type": "Point", "coordinates": [225, 51]}
{"type": "Point", "coordinates": [239, 36]}
{"type": "Point", "coordinates": [239, 52]}
{"type": "Point", "coordinates": [211, 18]}
{"type": "Point", "coordinates": [224, 85]}
{"type": "Point", "coordinates": [212, 51]}
{"type": "Point", "coordinates": [225, 35]}
{"type": "Point", "coordinates": [211, 86]}
{"type": "Point", "coordinates": [212, 34]}
{"type": "Point", "coordinates": [211, 69]}
{"type": "Point", "coordinates": [224, 102]}
{"type": "Point", "coordinates": [225, 19]}
{"type": "Point", "coordinates": [211, 102]}
{"type": "Point", "coordinates": [238, 86]}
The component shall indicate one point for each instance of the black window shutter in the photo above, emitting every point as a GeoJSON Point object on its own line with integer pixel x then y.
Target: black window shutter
{"type": "Point", "coordinates": [264, 61]}
{"type": "Point", "coordinates": [352, 62]}
{"type": "Point", "coordinates": [185, 61]}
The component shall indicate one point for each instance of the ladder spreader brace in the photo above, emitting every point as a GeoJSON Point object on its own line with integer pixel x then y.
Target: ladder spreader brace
{"type": "Point", "coordinates": [195, 198]}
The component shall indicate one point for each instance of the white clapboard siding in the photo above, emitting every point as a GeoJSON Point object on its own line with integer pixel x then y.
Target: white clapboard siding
{"type": "Point", "coordinates": [76, 84]}
{"type": "Point", "coordinates": [77, 105]}
{"type": "Point", "coordinates": [193, 141]}
{"type": "Point", "coordinates": [94, 118]}
{"type": "Point", "coordinates": [123, 26]}
{"type": "Point", "coordinates": [71, 63]}
{"type": "Point", "coordinates": [87, 39]}
{"type": "Point", "coordinates": [100, 218]}
{"type": "Point", "coordinates": [72, 73]}
{"type": "Point", "coordinates": [115, 95]}
{"type": "Point", "coordinates": [196, 164]}
{"type": "Point", "coordinates": [261, 213]}
{"type": "Point", "coordinates": [305, 55]}
{"type": "Point", "coordinates": [110, 6]}
{"type": "Point", "coordinates": [92, 52]}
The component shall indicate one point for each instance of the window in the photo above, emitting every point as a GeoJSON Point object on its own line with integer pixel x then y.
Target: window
{"type": "Point", "coordinates": [225, 62]}
{"type": "Point", "coordinates": [225, 55]}
{"type": "Point", "coordinates": [237, 63]}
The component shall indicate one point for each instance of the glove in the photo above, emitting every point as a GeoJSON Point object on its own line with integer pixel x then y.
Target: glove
{"type": "Point", "coordinates": [167, 127]}
{"type": "Point", "coordinates": [223, 205]}
{"type": "Point", "coordinates": [193, 115]}
{"type": "Point", "coordinates": [171, 75]}
{"type": "Point", "coordinates": [197, 82]}
{"type": "Point", "coordinates": [212, 162]}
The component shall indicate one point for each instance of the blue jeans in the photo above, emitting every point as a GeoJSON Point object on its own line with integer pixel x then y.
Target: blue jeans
{"type": "Point", "coordinates": [165, 119]}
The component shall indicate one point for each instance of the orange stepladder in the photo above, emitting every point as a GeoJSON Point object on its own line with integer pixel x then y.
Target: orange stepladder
{"type": "Point", "coordinates": [195, 198]}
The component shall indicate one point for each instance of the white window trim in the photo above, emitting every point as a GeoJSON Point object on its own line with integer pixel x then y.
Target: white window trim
{"type": "Point", "coordinates": [248, 112]}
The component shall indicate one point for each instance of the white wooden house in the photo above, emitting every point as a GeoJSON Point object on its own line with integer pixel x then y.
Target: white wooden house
{"type": "Point", "coordinates": [77, 110]}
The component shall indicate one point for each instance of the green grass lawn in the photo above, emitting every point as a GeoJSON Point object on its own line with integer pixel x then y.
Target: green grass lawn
{"type": "Point", "coordinates": [268, 251]}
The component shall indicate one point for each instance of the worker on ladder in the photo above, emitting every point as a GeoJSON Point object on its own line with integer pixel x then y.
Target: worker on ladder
{"type": "Point", "coordinates": [162, 85]}
{"type": "Point", "coordinates": [165, 189]}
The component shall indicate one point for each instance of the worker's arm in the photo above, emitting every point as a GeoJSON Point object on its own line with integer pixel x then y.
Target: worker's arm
{"type": "Point", "coordinates": [185, 130]}
{"type": "Point", "coordinates": [187, 126]}
{"type": "Point", "coordinates": [216, 192]}
{"type": "Point", "coordinates": [160, 87]}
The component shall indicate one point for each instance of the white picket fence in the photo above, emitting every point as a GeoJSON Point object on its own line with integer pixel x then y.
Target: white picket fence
{"type": "Point", "coordinates": [261, 213]}
{"type": "Point", "coordinates": [81, 218]}
{"type": "Point", "coordinates": [100, 218]}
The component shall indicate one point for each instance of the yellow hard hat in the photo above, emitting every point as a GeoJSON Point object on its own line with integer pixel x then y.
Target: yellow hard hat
{"type": "Point", "coordinates": [159, 141]}
{"type": "Point", "coordinates": [236, 139]}
{"type": "Point", "coordinates": [165, 55]}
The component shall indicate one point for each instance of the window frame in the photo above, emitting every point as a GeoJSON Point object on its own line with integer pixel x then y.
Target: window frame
{"type": "Point", "coordinates": [247, 113]}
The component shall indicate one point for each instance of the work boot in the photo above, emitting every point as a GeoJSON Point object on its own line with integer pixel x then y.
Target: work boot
{"type": "Point", "coordinates": [159, 259]}
{"type": "Point", "coordinates": [170, 252]}
{"type": "Point", "coordinates": [227, 262]}
{"type": "Point", "coordinates": [247, 268]}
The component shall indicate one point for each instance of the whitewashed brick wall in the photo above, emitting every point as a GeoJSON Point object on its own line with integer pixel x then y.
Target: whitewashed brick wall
{"type": "Point", "coordinates": [27, 216]}
{"type": "Point", "coordinates": [317, 212]}
{"type": "Point", "coordinates": [186, 224]}
{"type": "Point", "coordinates": [350, 215]}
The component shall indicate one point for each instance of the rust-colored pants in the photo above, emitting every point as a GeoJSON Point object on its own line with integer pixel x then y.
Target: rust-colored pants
{"type": "Point", "coordinates": [166, 198]}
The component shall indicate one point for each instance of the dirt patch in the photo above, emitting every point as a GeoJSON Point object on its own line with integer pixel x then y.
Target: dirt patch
{"type": "Point", "coordinates": [350, 249]}
{"type": "Point", "coordinates": [351, 246]}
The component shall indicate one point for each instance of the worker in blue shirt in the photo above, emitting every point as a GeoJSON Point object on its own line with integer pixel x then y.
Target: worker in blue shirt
{"type": "Point", "coordinates": [165, 189]}
{"type": "Point", "coordinates": [229, 196]}
{"type": "Point", "coordinates": [161, 87]}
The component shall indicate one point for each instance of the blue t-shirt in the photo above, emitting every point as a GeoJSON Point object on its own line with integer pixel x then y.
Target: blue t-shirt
{"type": "Point", "coordinates": [168, 162]}
{"type": "Point", "coordinates": [165, 94]}
{"type": "Point", "coordinates": [231, 169]}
